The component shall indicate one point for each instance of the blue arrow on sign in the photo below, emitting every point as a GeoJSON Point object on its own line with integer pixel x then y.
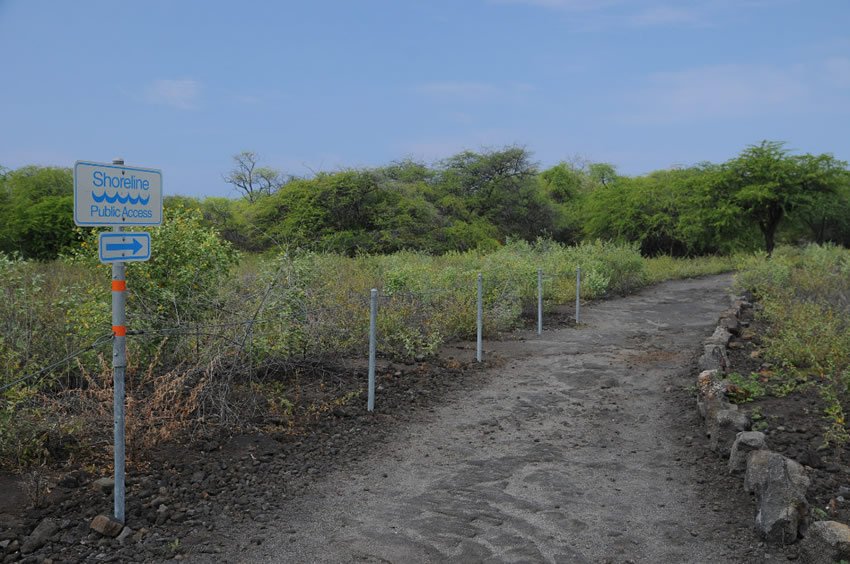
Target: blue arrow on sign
{"type": "Point", "coordinates": [135, 246]}
{"type": "Point", "coordinates": [124, 246]}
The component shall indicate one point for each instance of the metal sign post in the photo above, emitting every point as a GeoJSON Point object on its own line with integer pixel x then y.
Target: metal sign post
{"type": "Point", "coordinates": [539, 301]}
{"type": "Point", "coordinates": [116, 195]}
{"type": "Point", "coordinates": [373, 346]}
{"type": "Point", "coordinates": [578, 295]}
{"type": "Point", "coordinates": [119, 365]}
{"type": "Point", "coordinates": [480, 319]}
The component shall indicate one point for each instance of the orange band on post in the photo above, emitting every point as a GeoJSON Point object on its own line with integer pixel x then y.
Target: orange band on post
{"type": "Point", "coordinates": [119, 285]}
{"type": "Point", "coordinates": [119, 330]}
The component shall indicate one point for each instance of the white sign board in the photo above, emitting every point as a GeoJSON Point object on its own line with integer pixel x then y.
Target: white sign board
{"type": "Point", "coordinates": [123, 246]}
{"type": "Point", "coordinates": [107, 194]}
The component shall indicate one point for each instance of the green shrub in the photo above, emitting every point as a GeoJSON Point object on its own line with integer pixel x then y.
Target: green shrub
{"type": "Point", "coordinates": [804, 297]}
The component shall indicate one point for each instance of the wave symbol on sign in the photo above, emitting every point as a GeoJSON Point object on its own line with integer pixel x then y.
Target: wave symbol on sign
{"type": "Point", "coordinates": [135, 200]}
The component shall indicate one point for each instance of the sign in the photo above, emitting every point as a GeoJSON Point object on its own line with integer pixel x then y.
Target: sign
{"type": "Point", "coordinates": [124, 246]}
{"type": "Point", "coordinates": [108, 194]}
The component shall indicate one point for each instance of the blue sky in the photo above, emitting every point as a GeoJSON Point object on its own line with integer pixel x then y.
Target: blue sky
{"type": "Point", "coordinates": [323, 85]}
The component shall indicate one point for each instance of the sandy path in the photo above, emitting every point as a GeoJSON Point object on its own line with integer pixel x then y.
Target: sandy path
{"type": "Point", "coordinates": [572, 452]}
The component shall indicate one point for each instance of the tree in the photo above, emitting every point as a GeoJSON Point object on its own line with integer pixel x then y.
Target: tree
{"type": "Point", "coordinates": [768, 184]}
{"type": "Point", "coordinates": [36, 212]}
{"type": "Point", "coordinates": [827, 219]}
{"type": "Point", "coordinates": [603, 174]}
{"type": "Point", "coordinates": [253, 181]}
{"type": "Point", "coordinates": [501, 187]}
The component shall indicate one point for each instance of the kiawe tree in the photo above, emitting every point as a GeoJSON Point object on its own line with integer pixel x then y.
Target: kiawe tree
{"type": "Point", "coordinates": [500, 187]}
{"type": "Point", "coordinates": [251, 180]}
{"type": "Point", "coordinates": [768, 184]}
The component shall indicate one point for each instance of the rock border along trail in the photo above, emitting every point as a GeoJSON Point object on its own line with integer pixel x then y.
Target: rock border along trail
{"type": "Point", "coordinates": [575, 450]}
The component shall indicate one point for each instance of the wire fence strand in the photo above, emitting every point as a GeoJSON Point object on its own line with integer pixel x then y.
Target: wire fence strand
{"type": "Point", "coordinates": [47, 369]}
{"type": "Point", "coordinates": [356, 304]}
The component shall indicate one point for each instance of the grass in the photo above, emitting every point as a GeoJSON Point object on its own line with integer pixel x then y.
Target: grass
{"type": "Point", "coordinates": [670, 268]}
{"type": "Point", "coordinates": [208, 359]}
{"type": "Point", "coordinates": [805, 299]}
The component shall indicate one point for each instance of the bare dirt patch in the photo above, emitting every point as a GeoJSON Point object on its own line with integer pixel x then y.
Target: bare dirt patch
{"type": "Point", "coordinates": [795, 424]}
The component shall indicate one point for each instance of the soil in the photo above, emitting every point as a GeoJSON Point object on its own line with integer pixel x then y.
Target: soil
{"type": "Point", "coordinates": [580, 445]}
{"type": "Point", "coordinates": [794, 425]}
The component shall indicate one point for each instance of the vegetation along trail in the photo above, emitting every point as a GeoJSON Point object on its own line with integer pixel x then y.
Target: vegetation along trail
{"type": "Point", "coordinates": [576, 450]}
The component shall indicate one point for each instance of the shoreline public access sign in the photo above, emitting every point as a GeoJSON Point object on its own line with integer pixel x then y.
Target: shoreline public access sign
{"type": "Point", "coordinates": [118, 196]}
{"type": "Point", "coordinates": [108, 194]}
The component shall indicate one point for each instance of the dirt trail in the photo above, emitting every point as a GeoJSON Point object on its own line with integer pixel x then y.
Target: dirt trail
{"type": "Point", "coordinates": [574, 451]}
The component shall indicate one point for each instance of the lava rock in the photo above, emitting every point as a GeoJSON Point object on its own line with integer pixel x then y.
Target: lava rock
{"type": "Point", "coordinates": [125, 533]}
{"type": "Point", "coordinates": [745, 443]}
{"type": "Point", "coordinates": [721, 337]}
{"type": "Point", "coordinates": [106, 526]}
{"type": "Point", "coordinates": [826, 542]}
{"type": "Point", "coordinates": [103, 485]}
{"type": "Point", "coordinates": [714, 358]}
{"type": "Point", "coordinates": [724, 426]}
{"type": "Point", "coordinates": [779, 484]}
{"type": "Point", "coordinates": [712, 393]}
{"type": "Point", "coordinates": [731, 324]}
{"type": "Point", "coordinates": [40, 535]}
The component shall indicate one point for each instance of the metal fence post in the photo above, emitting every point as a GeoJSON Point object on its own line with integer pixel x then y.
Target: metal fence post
{"type": "Point", "coordinates": [539, 301]}
{"type": "Point", "coordinates": [480, 327]}
{"type": "Point", "coordinates": [373, 320]}
{"type": "Point", "coordinates": [578, 293]}
{"type": "Point", "coordinates": [119, 364]}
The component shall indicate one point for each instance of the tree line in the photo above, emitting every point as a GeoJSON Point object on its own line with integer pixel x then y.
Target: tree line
{"type": "Point", "coordinates": [479, 200]}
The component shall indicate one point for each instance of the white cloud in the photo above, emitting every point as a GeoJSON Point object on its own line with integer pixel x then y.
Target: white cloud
{"type": "Point", "coordinates": [458, 89]}
{"type": "Point", "coordinates": [665, 15]}
{"type": "Point", "coordinates": [570, 5]}
{"type": "Point", "coordinates": [712, 92]}
{"type": "Point", "coordinates": [471, 91]}
{"type": "Point", "coordinates": [181, 94]}
{"type": "Point", "coordinates": [600, 15]}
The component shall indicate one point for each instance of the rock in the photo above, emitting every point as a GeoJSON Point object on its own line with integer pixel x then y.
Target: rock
{"type": "Point", "coordinates": [720, 337]}
{"type": "Point", "coordinates": [198, 476]}
{"type": "Point", "coordinates": [826, 542]}
{"type": "Point", "coordinates": [745, 443]}
{"type": "Point", "coordinates": [162, 517]}
{"type": "Point", "coordinates": [158, 500]}
{"type": "Point", "coordinates": [140, 535]}
{"type": "Point", "coordinates": [38, 538]}
{"type": "Point", "coordinates": [710, 393]}
{"type": "Point", "coordinates": [103, 485]}
{"type": "Point", "coordinates": [125, 533]}
{"type": "Point", "coordinates": [714, 358]}
{"type": "Point", "coordinates": [4, 544]}
{"type": "Point", "coordinates": [741, 304]}
{"type": "Point", "coordinates": [731, 324]}
{"type": "Point", "coordinates": [106, 526]}
{"type": "Point", "coordinates": [723, 428]}
{"type": "Point", "coordinates": [780, 485]}
{"type": "Point", "coordinates": [69, 481]}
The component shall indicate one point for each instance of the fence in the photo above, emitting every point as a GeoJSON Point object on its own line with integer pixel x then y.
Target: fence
{"type": "Point", "coordinates": [302, 326]}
